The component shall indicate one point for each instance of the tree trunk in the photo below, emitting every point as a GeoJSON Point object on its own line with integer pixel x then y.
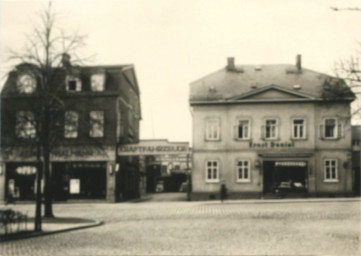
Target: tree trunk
{"type": "Point", "coordinates": [37, 220]}
{"type": "Point", "coordinates": [48, 205]}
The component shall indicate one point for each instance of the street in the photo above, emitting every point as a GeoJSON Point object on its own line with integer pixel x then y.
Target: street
{"type": "Point", "coordinates": [248, 227]}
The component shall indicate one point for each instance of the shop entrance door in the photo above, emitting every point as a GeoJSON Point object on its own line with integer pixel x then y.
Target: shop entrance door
{"type": "Point", "coordinates": [285, 177]}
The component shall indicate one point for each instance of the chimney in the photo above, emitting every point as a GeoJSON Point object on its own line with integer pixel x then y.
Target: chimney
{"type": "Point", "coordinates": [298, 63]}
{"type": "Point", "coordinates": [230, 63]}
{"type": "Point", "coordinates": [65, 60]}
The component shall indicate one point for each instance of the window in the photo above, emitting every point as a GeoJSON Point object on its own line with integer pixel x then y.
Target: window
{"type": "Point", "coordinates": [97, 82]}
{"type": "Point", "coordinates": [213, 129]}
{"type": "Point", "coordinates": [298, 129]}
{"type": "Point", "coordinates": [243, 171]}
{"type": "Point", "coordinates": [25, 125]}
{"type": "Point", "coordinates": [96, 124]}
{"type": "Point", "coordinates": [212, 171]}
{"type": "Point", "coordinates": [73, 84]}
{"type": "Point", "coordinates": [71, 124]}
{"type": "Point", "coordinates": [330, 128]}
{"type": "Point", "coordinates": [331, 170]}
{"type": "Point", "coordinates": [242, 130]}
{"type": "Point", "coordinates": [271, 129]}
{"type": "Point", "coordinates": [26, 83]}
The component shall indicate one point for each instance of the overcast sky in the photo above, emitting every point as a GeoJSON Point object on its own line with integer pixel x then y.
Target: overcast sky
{"type": "Point", "coordinates": [174, 42]}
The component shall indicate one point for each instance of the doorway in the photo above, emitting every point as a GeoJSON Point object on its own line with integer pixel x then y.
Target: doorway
{"type": "Point", "coordinates": [285, 177]}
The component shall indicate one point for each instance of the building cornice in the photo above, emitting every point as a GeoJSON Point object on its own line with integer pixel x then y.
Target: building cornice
{"type": "Point", "coordinates": [263, 101]}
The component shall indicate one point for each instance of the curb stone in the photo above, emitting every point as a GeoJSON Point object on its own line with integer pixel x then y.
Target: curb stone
{"type": "Point", "coordinates": [45, 233]}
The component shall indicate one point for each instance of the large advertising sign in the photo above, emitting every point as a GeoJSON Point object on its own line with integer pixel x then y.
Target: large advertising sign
{"type": "Point", "coordinates": [156, 147]}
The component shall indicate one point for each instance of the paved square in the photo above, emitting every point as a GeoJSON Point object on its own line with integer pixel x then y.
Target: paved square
{"type": "Point", "coordinates": [260, 227]}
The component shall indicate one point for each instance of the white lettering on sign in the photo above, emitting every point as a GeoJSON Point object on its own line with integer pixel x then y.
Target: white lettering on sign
{"type": "Point", "coordinates": [144, 150]}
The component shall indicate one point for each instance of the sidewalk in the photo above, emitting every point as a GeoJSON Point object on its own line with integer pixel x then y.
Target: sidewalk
{"type": "Point", "coordinates": [49, 226]}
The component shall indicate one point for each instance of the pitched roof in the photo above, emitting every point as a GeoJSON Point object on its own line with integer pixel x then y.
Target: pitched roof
{"type": "Point", "coordinates": [226, 85]}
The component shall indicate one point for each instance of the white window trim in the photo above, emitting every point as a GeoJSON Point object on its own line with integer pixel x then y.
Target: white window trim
{"type": "Point", "coordinates": [324, 129]}
{"type": "Point", "coordinates": [277, 128]}
{"type": "Point", "coordinates": [91, 125]}
{"type": "Point", "coordinates": [235, 128]}
{"type": "Point", "coordinates": [207, 137]}
{"type": "Point", "coordinates": [78, 85]}
{"type": "Point", "coordinates": [29, 124]}
{"type": "Point", "coordinates": [325, 179]}
{"type": "Point", "coordinates": [248, 180]}
{"type": "Point", "coordinates": [304, 128]}
{"type": "Point", "coordinates": [76, 132]}
{"type": "Point", "coordinates": [206, 171]}
{"type": "Point", "coordinates": [91, 81]}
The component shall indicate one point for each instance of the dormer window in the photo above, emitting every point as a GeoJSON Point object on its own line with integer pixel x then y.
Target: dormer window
{"type": "Point", "coordinates": [73, 84]}
{"type": "Point", "coordinates": [97, 82]}
{"type": "Point", "coordinates": [26, 83]}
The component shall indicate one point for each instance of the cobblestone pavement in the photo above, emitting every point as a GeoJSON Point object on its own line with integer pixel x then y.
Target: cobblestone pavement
{"type": "Point", "coordinates": [203, 228]}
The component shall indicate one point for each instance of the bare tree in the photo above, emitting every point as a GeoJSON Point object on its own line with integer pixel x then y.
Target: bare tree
{"type": "Point", "coordinates": [349, 69]}
{"type": "Point", "coordinates": [44, 52]}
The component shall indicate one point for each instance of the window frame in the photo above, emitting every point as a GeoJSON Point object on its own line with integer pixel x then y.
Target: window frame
{"type": "Point", "coordinates": [331, 179]}
{"type": "Point", "coordinates": [304, 137]}
{"type": "Point", "coordinates": [20, 85]}
{"type": "Point", "coordinates": [30, 122]}
{"type": "Point", "coordinates": [236, 129]}
{"type": "Point", "coordinates": [78, 84]}
{"type": "Point", "coordinates": [336, 136]}
{"type": "Point", "coordinates": [102, 74]}
{"type": "Point", "coordinates": [211, 180]}
{"type": "Point", "coordinates": [92, 125]}
{"type": "Point", "coordinates": [243, 180]}
{"type": "Point", "coordinates": [276, 137]}
{"type": "Point", "coordinates": [218, 129]}
{"type": "Point", "coordinates": [77, 125]}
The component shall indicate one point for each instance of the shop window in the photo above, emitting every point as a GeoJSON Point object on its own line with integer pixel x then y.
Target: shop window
{"type": "Point", "coordinates": [243, 171]}
{"type": "Point", "coordinates": [73, 84]}
{"type": "Point", "coordinates": [213, 129]}
{"type": "Point", "coordinates": [97, 82]}
{"type": "Point", "coordinates": [271, 129]}
{"type": "Point", "coordinates": [331, 171]}
{"type": "Point", "coordinates": [242, 130]}
{"type": "Point", "coordinates": [25, 125]}
{"type": "Point", "coordinates": [212, 171]}
{"type": "Point", "coordinates": [298, 129]}
{"type": "Point", "coordinates": [96, 124]}
{"type": "Point", "coordinates": [71, 124]}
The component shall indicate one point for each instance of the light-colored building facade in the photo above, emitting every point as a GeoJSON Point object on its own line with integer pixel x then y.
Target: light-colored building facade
{"type": "Point", "coordinates": [270, 129]}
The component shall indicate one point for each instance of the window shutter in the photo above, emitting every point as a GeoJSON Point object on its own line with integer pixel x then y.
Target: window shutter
{"type": "Point", "coordinates": [321, 133]}
{"type": "Point", "coordinates": [235, 132]}
{"type": "Point", "coordinates": [262, 132]}
{"type": "Point", "coordinates": [340, 131]}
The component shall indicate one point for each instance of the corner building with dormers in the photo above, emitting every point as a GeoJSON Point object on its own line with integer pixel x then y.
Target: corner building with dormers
{"type": "Point", "coordinates": [271, 130]}
{"type": "Point", "coordinates": [101, 110]}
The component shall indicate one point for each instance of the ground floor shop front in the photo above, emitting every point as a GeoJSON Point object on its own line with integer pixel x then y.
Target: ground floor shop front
{"type": "Point", "coordinates": [82, 174]}
{"type": "Point", "coordinates": [268, 174]}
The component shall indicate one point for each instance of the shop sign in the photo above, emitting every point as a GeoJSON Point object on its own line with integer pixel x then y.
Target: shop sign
{"type": "Point", "coordinates": [136, 149]}
{"type": "Point", "coordinates": [291, 163]}
{"type": "Point", "coordinates": [271, 144]}
{"type": "Point", "coordinates": [26, 170]}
